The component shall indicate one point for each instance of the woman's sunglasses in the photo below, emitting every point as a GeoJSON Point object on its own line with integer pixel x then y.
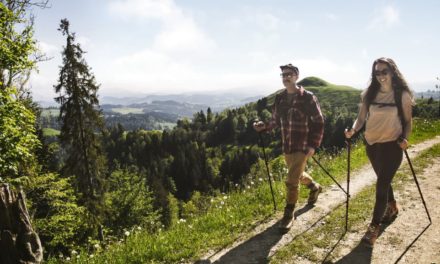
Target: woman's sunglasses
{"type": "Point", "coordinates": [382, 72]}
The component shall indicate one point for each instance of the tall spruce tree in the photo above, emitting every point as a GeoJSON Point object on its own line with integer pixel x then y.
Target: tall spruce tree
{"type": "Point", "coordinates": [82, 123]}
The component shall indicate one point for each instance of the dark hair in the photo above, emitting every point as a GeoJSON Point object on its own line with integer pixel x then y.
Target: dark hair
{"type": "Point", "coordinates": [290, 67]}
{"type": "Point", "coordinates": [398, 82]}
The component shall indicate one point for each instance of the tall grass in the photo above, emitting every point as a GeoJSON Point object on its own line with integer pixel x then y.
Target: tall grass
{"type": "Point", "coordinates": [229, 216]}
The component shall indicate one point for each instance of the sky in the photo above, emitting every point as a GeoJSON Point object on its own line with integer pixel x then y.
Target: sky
{"type": "Point", "coordinates": [176, 46]}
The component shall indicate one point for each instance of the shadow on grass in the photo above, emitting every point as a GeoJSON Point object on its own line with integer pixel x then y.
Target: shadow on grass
{"type": "Point", "coordinates": [257, 248]}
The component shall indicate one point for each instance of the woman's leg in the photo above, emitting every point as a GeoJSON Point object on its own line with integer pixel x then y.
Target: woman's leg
{"type": "Point", "coordinates": [385, 159]}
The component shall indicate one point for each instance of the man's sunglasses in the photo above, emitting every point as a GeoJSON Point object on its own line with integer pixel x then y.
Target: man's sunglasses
{"type": "Point", "coordinates": [287, 74]}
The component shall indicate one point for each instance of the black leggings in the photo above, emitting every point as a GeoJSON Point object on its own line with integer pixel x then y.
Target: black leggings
{"type": "Point", "coordinates": [385, 159]}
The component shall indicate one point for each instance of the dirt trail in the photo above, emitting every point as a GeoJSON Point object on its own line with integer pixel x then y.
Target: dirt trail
{"type": "Point", "coordinates": [265, 240]}
{"type": "Point", "coordinates": [411, 225]}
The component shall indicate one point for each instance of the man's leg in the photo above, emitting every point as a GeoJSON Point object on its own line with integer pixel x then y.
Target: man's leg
{"type": "Point", "coordinates": [296, 163]}
{"type": "Point", "coordinates": [315, 188]}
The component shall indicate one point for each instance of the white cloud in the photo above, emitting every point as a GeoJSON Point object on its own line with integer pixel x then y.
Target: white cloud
{"type": "Point", "coordinates": [180, 33]}
{"type": "Point", "coordinates": [48, 49]}
{"type": "Point", "coordinates": [385, 18]}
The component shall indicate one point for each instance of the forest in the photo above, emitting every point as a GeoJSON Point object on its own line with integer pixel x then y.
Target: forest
{"type": "Point", "coordinates": [103, 176]}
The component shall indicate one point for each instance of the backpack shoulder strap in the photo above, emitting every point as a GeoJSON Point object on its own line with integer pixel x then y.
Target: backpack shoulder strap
{"type": "Point", "coordinates": [398, 101]}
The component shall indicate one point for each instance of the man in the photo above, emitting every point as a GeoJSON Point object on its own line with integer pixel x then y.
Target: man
{"type": "Point", "coordinates": [297, 113]}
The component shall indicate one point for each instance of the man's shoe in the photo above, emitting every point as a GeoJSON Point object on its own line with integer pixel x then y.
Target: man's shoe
{"type": "Point", "coordinates": [287, 220]}
{"type": "Point", "coordinates": [371, 235]}
{"type": "Point", "coordinates": [390, 213]}
{"type": "Point", "coordinates": [314, 193]}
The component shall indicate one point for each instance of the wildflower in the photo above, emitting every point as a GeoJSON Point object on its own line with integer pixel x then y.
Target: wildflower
{"type": "Point", "coordinates": [139, 228]}
{"type": "Point", "coordinates": [60, 255]}
{"type": "Point", "coordinates": [68, 258]}
{"type": "Point", "coordinates": [260, 179]}
{"type": "Point", "coordinates": [91, 256]}
{"type": "Point", "coordinates": [252, 183]}
{"type": "Point", "coordinates": [222, 203]}
{"type": "Point", "coordinates": [212, 200]}
{"type": "Point", "coordinates": [190, 226]}
{"type": "Point", "coordinates": [74, 252]}
{"type": "Point", "coordinates": [96, 246]}
{"type": "Point", "coordinates": [225, 197]}
{"type": "Point", "coordinates": [126, 233]}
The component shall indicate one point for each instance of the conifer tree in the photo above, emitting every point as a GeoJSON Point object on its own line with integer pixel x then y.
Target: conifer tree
{"type": "Point", "coordinates": [82, 123]}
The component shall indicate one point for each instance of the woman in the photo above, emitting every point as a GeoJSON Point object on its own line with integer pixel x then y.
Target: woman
{"type": "Point", "coordinates": [387, 128]}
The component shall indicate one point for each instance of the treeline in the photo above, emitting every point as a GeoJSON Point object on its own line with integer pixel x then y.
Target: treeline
{"type": "Point", "coordinates": [130, 121]}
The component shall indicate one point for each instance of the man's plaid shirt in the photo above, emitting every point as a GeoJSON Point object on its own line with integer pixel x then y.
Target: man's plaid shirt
{"type": "Point", "coordinates": [300, 120]}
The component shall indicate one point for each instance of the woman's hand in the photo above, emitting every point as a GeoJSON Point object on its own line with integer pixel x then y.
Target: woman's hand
{"type": "Point", "coordinates": [349, 133]}
{"type": "Point", "coordinates": [403, 143]}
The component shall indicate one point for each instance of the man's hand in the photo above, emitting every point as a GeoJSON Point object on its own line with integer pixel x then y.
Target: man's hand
{"type": "Point", "coordinates": [310, 152]}
{"type": "Point", "coordinates": [259, 126]}
{"type": "Point", "coordinates": [349, 133]}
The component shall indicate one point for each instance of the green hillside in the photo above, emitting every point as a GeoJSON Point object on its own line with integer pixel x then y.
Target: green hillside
{"type": "Point", "coordinates": [327, 93]}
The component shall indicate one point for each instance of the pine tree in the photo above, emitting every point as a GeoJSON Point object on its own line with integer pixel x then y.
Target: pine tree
{"type": "Point", "coordinates": [81, 123]}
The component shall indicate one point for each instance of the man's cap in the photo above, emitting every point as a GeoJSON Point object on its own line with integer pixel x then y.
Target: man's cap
{"type": "Point", "coordinates": [290, 67]}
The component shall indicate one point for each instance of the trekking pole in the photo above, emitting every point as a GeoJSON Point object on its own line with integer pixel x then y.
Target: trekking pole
{"type": "Point", "coordinates": [417, 183]}
{"type": "Point", "coordinates": [319, 164]}
{"type": "Point", "coordinates": [348, 142]}
{"type": "Point", "coordinates": [267, 169]}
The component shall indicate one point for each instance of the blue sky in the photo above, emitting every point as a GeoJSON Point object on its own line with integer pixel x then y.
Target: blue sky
{"type": "Point", "coordinates": [175, 46]}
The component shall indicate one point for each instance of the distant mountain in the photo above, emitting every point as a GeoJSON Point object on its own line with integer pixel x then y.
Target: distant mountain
{"type": "Point", "coordinates": [216, 100]}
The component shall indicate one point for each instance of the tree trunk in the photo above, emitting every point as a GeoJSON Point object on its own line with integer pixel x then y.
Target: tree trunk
{"type": "Point", "coordinates": [18, 241]}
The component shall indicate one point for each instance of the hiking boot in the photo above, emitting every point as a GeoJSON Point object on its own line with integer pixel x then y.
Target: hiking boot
{"type": "Point", "coordinates": [371, 235]}
{"type": "Point", "coordinates": [314, 193]}
{"type": "Point", "coordinates": [390, 213]}
{"type": "Point", "coordinates": [287, 220]}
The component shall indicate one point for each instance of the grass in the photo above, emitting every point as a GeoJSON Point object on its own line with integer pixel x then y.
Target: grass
{"type": "Point", "coordinates": [233, 216]}
{"type": "Point", "coordinates": [230, 217]}
{"type": "Point", "coordinates": [50, 132]}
